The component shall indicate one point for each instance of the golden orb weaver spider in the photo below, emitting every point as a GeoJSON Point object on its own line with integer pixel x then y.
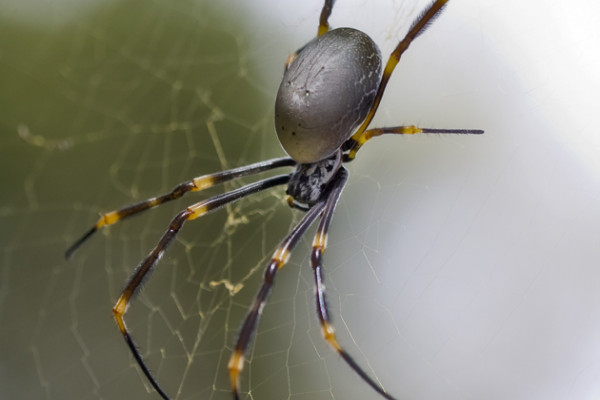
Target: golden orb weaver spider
{"type": "Point", "coordinates": [328, 96]}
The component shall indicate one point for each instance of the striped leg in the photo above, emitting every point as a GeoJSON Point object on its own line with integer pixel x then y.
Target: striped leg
{"type": "Point", "coordinates": [323, 28]}
{"type": "Point", "coordinates": [280, 257]}
{"type": "Point", "coordinates": [323, 19]}
{"type": "Point", "coordinates": [319, 244]}
{"type": "Point", "coordinates": [141, 272]}
{"type": "Point", "coordinates": [418, 27]}
{"type": "Point", "coordinates": [369, 134]}
{"type": "Point", "coordinates": [194, 185]}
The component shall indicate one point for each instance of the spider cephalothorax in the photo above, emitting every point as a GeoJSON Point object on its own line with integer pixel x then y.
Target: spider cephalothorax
{"type": "Point", "coordinates": [308, 182]}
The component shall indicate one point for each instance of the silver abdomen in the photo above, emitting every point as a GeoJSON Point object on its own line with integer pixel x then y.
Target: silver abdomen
{"type": "Point", "coordinates": [326, 93]}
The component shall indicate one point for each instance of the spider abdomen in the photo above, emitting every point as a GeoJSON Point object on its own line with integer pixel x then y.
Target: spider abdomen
{"type": "Point", "coordinates": [326, 93]}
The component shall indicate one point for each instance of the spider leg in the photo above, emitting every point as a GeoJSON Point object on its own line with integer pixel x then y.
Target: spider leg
{"type": "Point", "coordinates": [136, 279]}
{"type": "Point", "coordinates": [323, 28]}
{"type": "Point", "coordinates": [193, 185]}
{"type": "Point", "coordinates": [324, 17]}
{"type": "Point", "coordinates": [319, 244]}
{"type": "Point", "coordinates": [369, 134]}
{"type": "Point", "coordinates": [418, 26]}
{"type": "Point", "coordinates": [280, 257]}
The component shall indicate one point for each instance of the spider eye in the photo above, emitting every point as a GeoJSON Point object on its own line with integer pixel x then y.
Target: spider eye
{"type": "Point", "coordinates": [326, 93]}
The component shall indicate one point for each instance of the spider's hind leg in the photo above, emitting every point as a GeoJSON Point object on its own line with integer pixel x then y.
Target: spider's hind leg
{"type": "Point", "coordinates": [279, 259]}
{"type": "Point", "coordinates": [319, 245]}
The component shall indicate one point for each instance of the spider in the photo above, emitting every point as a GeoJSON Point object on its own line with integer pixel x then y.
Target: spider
{"type": "Point", "coordinates": [330, 91]}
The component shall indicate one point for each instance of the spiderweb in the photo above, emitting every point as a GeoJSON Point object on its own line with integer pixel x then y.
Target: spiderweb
{"type": "Point", "coordinates": [457, 268]}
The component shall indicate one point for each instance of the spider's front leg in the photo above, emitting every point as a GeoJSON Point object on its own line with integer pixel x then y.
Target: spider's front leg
{"type": "Point", "coordinates": [323, 28]}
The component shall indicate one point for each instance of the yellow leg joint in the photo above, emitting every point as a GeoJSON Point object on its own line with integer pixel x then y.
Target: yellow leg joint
{"type": "Point", "coordinates": [235, 366]}
{"type": "Point", "coordinates": [197, 210]}
{"type": "Point", "coordinates": [329, 334]}
{"type": "Point", "coordinates": [118, 311]}
{"type": "Point", "coordinates": [320, 241]}
{"type": "Point", "coordinates": [410, 130]}
{"type": "Point", "coordinates": [108, 219]}
{"type": "Point", "coordinates": [290, 201]}
{"type": "Point", "coordinates": [281, 256]}
{"type": "Point", "coordinates": [203, 182]}
{"type": "Point", "coordinates": [323, 29]}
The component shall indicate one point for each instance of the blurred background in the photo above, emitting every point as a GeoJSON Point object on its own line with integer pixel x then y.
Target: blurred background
{"type": "Point", "coordinates": [457, 267]}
